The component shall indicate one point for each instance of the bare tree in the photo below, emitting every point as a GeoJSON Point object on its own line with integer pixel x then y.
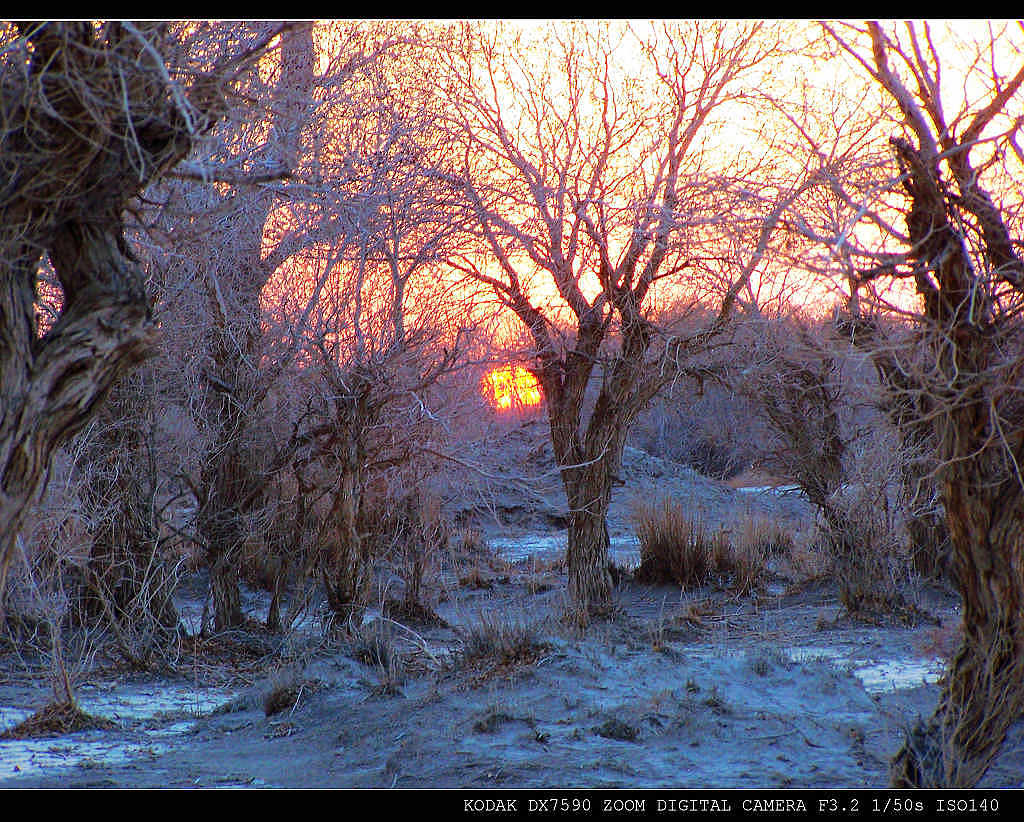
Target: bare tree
{"type": "Point", "coordinates": [594, 203]}
{"type": "Point", "coordinates": [263, 214]}
{"type": "Point", "coordinates": [91, 114]}
{"type": "Point", "coordinates": [383, 334]}
{"type": "Point", "coordinates": [957, 185]}
{"type": "Point", "coordinates": [817, 397]}
{"type": "Point", "coordinates": [235, 274]}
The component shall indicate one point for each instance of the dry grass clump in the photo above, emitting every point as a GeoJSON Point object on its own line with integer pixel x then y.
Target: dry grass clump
{"type": "Point", "coordinates": [505, 641]}
{"type": "Point", "coordinates": [767, 536]}
{"type": "Point", "coordinates": [57, 719]}
{"type": "Point", "coordinates": [743, 563]}
{"type": "Point", "coordinates": [468, 543]}
{"type": "Point", "coordinates": [476, 579]}
{"type": "Point", "coordinates": [745, 557]}
{"type": "Point", "coordinates": [284, 690]}
{"type": "Point", "coordinates": [674, 548]}
{"type": "Point", "coordinates": [373, 644]}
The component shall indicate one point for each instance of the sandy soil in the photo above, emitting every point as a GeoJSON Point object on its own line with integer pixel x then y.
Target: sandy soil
{"type": "Point", "coordinates": [695, 689]}
{"type": "Point", "coordinates": [692, 690]}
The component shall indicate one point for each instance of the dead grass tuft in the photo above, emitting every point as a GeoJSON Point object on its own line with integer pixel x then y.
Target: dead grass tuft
{"type": "Point", "coordinates": [503, 641]}
{"type": "Point", "coordinates": [57, 719]}
{"type": "Point", "coordinates": [373, 644]}
{"type": "Point", "coordinates": [284, 692]}
{"type": "Point", "coordinates": [674, 548]}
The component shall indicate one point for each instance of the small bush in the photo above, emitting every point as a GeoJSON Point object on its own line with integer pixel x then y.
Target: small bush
{"type": "Point", "coordinates": [869, 553]}
{"type": "Point", "coordinates": [767, 536]}
{"type": "Point", "coordinates": [744, 563]}
{"type": "Point", "coordinates": [476, 579]}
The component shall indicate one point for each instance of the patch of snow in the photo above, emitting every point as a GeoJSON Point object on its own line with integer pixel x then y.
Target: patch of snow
{"type": "Point", "coordinates": [152, 704]}
{"type": "Point", "coordinates": [895, 674]}
{"type": "Point", "coordinates": [877, 676]}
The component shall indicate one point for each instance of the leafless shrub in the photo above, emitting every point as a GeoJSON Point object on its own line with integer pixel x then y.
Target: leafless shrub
{"type": "Point", "coordinates": [714, 430]}
{"type": "Point", "coordinates": [133, 564]}
{"type": "Point", "coordinates": [41, 621]}
{"type": "Point", "coordinates": [865, 524]}
{"type": "Point", "coordinates": [811, 388]}
{"type": "Point", "coordinates": [413, 535]}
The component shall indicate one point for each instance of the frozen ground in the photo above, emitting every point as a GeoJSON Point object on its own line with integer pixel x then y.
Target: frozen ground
{"type": "Point", "coordinates": [694, 690]}
{"type": "Point", "coordinates": [698, 689]}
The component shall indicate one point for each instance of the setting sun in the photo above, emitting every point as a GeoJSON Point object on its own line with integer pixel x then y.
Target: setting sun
{"type": "Point", "coordinates": [512, 386]}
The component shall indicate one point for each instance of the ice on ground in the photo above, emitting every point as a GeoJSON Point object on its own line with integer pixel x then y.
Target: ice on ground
{"type": "Point", "coordinates": [624, 551]}
{"type": "Point", "coordinates": [896, 674]}
{"type": "Point", "coordinates": [769, 489]}
{"type": "Point", "coordinates": [172, 708]}
{"type": "Point", "coordinates": [876, 675]}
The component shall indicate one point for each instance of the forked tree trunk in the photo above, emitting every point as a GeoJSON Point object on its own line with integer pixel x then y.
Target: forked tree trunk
{"type": "Point", "coordinates": [588, 468]}
{"type": "Point", "coordinates": [590, 583]}
{"type": "Point", "coordinates": [588, 491]}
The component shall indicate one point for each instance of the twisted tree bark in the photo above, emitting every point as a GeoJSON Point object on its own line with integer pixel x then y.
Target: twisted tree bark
{"type": "Point", "coordinates": [89, 118]}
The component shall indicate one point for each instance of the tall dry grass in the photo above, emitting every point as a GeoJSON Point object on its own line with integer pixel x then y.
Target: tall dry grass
{"type": "Point", "coordinates": [677, 548]}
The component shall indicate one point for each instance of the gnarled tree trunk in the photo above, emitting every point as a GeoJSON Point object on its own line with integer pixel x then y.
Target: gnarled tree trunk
{"type": "Point", "coordinates": [90, 118]}
{"type": "Point", "coordinates": [984, 689]}
{"type": "Point", "coordinates": [976, 349]}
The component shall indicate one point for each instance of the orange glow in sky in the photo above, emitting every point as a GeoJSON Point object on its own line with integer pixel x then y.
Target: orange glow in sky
{"type": "Point", "coordinates": [512, 386]}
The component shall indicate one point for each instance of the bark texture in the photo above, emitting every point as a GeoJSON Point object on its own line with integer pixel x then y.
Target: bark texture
{"type": "Point", "coordinates": [89, 120]}
{"type": "Point", "coordinates": [975, 341]}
